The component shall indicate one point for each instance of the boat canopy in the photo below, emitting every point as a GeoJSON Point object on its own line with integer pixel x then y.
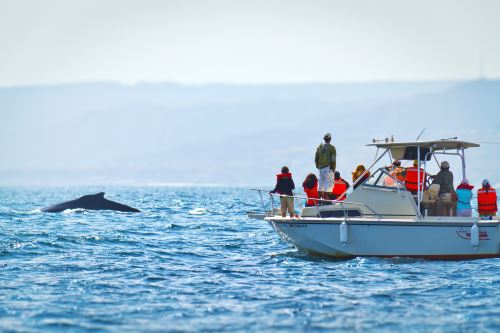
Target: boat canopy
{"type": "Point", "coordinates": [409, 150]}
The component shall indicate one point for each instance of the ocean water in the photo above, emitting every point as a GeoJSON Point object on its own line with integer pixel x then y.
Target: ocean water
{"type": "Point", "coordinates": [192, 261]}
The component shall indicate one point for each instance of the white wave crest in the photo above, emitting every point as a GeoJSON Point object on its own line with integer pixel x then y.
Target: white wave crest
{"type": "Point", "coordinates": [73, 211]}
{"type": "Point", "coordinates": [198, 211]}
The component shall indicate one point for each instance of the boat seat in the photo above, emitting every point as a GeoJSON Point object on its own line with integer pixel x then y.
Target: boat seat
{"type": "Point", "coordinates": [429, 199]}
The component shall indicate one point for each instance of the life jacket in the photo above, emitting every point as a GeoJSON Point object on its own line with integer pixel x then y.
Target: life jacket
{"type": "Point", "coordinates": [411, 180]}
{"type": "Point", "coordinates": [398, 174]}
{"type": "Point", "coordinates": [312, 193]}
{"type": "Point", "coordinates": [284, 175]}
{"type": "Point", "coordinates": [487, 201]}
{"type": "Point", "coordinates": [284, 184]}
{"type": "Point", "coordinates": [339, 187]}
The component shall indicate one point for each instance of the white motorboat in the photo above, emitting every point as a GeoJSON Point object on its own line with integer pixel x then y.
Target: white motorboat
{"type": "Point", "coordinates": [389, 221]}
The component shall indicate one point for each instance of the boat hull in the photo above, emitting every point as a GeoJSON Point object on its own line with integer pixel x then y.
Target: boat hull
{"type": "Point", "coordinates": [438, 239]}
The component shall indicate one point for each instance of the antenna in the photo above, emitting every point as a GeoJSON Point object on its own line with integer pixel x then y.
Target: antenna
{"type": "Point", "coordinates": [418, 137]}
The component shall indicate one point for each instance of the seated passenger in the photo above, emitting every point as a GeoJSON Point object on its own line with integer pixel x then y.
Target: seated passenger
{"type": "Point", "coordinates": [340, 186]}
{"type": "Point", "coordinates": [444, 178]}
{"type": "Point", "coordinates": [284, 187]}
{"type": "Point", "coordinates": [360, 169]}
{"type": "Point", "coordinates": [464, 195]}
{"type": "Point", "coordinates": [487, 201]}
{"type": "Point", "coordinates": [310, 185]}
{"type": "Point", "coordinates": [397, 171]}
{"type": "Point", "coordinates": [389, 181]}
{"type": "Point", "coordinates": [412, 178]}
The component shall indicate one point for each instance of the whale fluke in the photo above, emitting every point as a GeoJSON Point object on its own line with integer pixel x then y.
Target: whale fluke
{"type": "Point", "coordinates": [91, 202]}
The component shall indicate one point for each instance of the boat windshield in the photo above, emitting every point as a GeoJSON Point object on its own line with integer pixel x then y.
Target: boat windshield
{"type": "Point", "coordinates": [383, 178]}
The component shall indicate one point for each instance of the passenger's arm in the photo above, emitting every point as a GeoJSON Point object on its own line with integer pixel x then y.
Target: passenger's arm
{"type": "Point", "coordinates": [275, 188]}
{"type": "Point", "coordinates": [333, 159]}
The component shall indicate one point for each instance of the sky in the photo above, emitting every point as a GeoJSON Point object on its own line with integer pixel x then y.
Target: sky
{"type": "Point", "coordinates": [197, 42]}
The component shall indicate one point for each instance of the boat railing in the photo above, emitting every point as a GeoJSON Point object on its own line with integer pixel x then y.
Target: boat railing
{"type": "Point", "coordinates": [319, 202]}
{"type": "Point", "coordinates": [269, 207]}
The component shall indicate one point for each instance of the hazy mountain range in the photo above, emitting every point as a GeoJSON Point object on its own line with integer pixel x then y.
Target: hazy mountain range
{"type": "Point", "coordinates": [156, 133]}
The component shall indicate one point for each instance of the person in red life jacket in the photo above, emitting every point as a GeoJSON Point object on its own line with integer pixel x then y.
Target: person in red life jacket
{"type": "Point", "coordinates": [284, 187]}
{"type": "Point", "coordinates": [487, 201]}
{"type": "Point", "coordinates": [340, 186]}
{"type": "Point", "coordinates": [310, 185]}
{"type": "Point", "coordinates": [411, 179]}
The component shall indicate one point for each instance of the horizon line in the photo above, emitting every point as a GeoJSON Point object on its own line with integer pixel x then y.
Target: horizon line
{"type": "Point", "coordinates": [244, 84]}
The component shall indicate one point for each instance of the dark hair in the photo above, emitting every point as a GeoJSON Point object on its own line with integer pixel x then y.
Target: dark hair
{"type": "Point", "coordinates": [310, 181]}
{"type": "Point", "coordinates": [336, 175]}
{"type": "Point", "coordinates": [285, 169]}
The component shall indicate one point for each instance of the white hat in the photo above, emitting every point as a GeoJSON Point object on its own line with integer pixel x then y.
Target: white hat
{"type": "Point", "coordinates": [486, 183]}
{"type": "Point", "coordinates": [445, 165]}
{"type": "Point", "coordinates": [327, 136]}
{"type": "Point", "coordinates": [465, 181]}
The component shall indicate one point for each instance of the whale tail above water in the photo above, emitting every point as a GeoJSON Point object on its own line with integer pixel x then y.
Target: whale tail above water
{"type": "Point", "coordinates": [91, 202]}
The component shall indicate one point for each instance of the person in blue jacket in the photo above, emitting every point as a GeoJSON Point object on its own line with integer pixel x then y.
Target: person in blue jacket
{"type": "Point", "coordinates": [464, 195]}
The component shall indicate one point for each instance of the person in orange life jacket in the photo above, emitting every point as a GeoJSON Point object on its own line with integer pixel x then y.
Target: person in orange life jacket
{"type": "Point", "coordinates": [360, 169]}
{"type": "Point", "coordinates": [339, 187]}
{"type": "Point", "coordinates": [487, 201]}
{"type": "Point", "coordinates": [398, 171]}
{"type": "Point", "coordinates": [284, 187]}
{"type": "Point", "coordinates": [464, 195]}
{"type": "Point", "coordinates": [310, 185]}
{"type": "Point", "coordinates": [390, 181]}
{"type": "Point", "coordinates": [411, 178]}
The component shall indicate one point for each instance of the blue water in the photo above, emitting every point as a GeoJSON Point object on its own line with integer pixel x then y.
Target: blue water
{"type": "Point", "coordinates": [193, 261]}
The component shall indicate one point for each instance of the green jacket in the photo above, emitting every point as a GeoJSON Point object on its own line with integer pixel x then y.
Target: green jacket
{"type": "Point", "coordinates": [326, 155]}
{"type": "Point", "coordinates": [445, 179]}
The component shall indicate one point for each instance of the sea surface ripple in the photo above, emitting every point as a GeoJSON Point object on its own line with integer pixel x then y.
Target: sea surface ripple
{"type": "Point", "coordinates": [192, 261]}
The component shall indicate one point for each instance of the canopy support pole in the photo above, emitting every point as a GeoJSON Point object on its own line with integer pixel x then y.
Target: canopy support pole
{"type": "Point", "coordinates": [418, 181]}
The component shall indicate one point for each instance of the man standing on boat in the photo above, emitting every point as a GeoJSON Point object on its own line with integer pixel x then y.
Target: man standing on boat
{"type": "Point", "coordinates": [325, 159]}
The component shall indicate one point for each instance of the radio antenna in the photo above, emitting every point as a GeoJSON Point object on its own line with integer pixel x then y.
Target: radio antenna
{"type": "Point", "coordinates": [418, 137]}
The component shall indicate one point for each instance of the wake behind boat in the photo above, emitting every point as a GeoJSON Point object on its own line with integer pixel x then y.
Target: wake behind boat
{"type": "Point", "coordinates": [382, 218]}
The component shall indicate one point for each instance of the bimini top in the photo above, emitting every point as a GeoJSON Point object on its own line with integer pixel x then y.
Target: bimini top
{"type": "Point", "coordinates": [435, 144]}
{"type": "Point", "coordinates": [409, 151]}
